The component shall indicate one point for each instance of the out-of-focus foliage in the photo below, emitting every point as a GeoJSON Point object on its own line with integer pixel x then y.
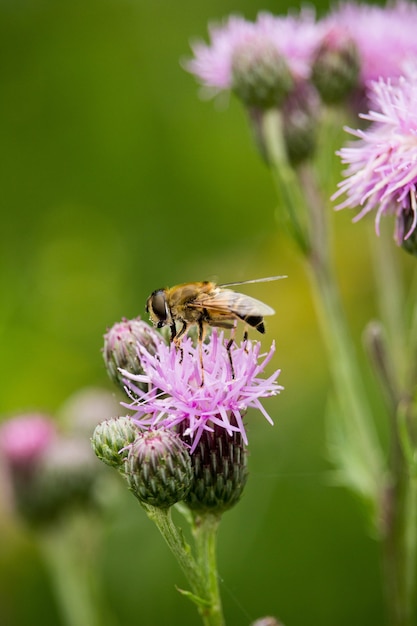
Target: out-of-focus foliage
{"type": "Point", "coordinates": [116, 180]}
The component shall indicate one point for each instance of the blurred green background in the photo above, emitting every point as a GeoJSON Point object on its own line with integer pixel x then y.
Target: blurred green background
{"type": "Point", "coordinates": [116, 179]}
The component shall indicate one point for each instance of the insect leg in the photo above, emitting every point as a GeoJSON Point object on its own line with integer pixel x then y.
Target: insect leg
{"type": "Point", "coordinates": [229, 345]}
{"type": "Point", "coordinates": [200, 348]}
{"type": "Point", "coordinates": [173, 331]}
{"type": "Point", "coordinates": [177, 338]}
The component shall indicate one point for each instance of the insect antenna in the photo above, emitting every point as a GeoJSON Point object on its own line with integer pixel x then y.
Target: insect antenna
{"type": "Point", "coordinates": [255, 280]}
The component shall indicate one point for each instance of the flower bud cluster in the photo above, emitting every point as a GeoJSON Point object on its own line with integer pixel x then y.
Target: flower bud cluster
{"type": "Point", "coordinates": [183, 440]}
{"type": "Point", "coordinates": [265, 61]}
{"type": "Point", "coordinates": [50, 473]}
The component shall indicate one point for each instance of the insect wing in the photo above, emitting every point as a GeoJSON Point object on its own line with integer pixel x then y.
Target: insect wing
{"type": "Point", "coordinates": [226, 301]}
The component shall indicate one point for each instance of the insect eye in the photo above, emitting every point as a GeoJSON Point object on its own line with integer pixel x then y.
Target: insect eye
{"type": "Point", "coordinates": [158, 305]}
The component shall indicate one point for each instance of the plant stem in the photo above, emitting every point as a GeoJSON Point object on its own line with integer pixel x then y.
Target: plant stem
{"type": "Point", "coordinates": [392, 490]}
{"type": "Point", "coordinates": [201, 572]}
{"type": "Point", "coordinates": [399, 551]}
{"type": "Point", "coordinates": [205, 534]}
{"type": "Point", "coordinates": [391, 305]}
{"type": "Point", "coordinates": [400, 538]}
{"type": "Point", "coordinates": [72, 576]}
{"type": "Point", "coordinates": [349, 389]}
{"type": "Point", "coordinates": [304, 206]}
{"type": "Point", "coordinates": [176, 543]}
{"type": "Point", "coordinates": [286, 183]}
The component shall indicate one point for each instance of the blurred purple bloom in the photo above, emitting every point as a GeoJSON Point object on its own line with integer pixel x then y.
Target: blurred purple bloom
{"type": "Point", "coordinates": [176, 395]}
{"type": "Point", "coordinates": [382, 164]}
{"type": "Point", "coordinates": [25, 438]}
{"type": "Point", "coordinates": [294, 37]}
{"type": "Point", "coordinates": [385, 36]}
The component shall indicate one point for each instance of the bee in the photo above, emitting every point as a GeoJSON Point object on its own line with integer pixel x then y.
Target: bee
{"type": "Point", "coordinates": [207, 304]}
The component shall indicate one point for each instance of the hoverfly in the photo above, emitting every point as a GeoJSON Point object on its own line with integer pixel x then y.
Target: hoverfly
{"type": "Point", "coordinates": [207, 304]}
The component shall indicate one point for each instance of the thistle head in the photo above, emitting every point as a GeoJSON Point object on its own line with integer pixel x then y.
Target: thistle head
{"type": "Point", "coordinates": [121, 347]}
{"type": "Point", "coordinates": [381, 173]}
{"type": "Point", "coordinates": [260, 75]}
{"type": "Point", "coordinates": [158, 468]}
{"type": "Point", "coordinates": [336, 66]}
{"type": "Point", "coordinates": [176, 395]}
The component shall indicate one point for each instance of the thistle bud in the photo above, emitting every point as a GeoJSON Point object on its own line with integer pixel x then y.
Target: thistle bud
{"type": "Point", "coordinates": [67, 477]}
{"type": "Point", "coordinates": [158, 468]}
{"type": "Point", "coordinates": [111, 438]}
{"type": "Point", "coordinates": [300, 115]}
{"type": "Point", "coordinates": [121, 348]}
{"type": "Point", "coordinates": [220, 472]}
{"type": "Point", "coordinates": [335, 71]}
{"type": "Point", "coordinates": [63, 480]}
{"type": "Point", "coordinates": [260, 74]}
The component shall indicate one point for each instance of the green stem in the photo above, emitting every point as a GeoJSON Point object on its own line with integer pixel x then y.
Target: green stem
{"type": "Point", "coordinates": [352, 401]}
{"type": "Point", "coordinates": [285, 180]}
{"type": "Point", "coordinates": [411, 341]}
{"type": "Point", "coordinates": [400, 539]}
{"type": "Point", "coordinates": [410, 547]}
{"type": "Point", "coordinates": [201, 572]}
{"type": "Point", "coordinates": [304, 204]}
{"type": "Point", "coordinates": [399, 522]}
{"type": "Point", "coordinates": [399, 551]}
{"type": "Point", "coordinates": [391, 491]}
{"type": "Point", "coordinates": [391, 305]}
{"type": "Point", "coordinates": [205, 534]}
{"type": "Point", "coordinates": [406, 420]}
{"type": "Point", "coordinates": [180, 549]}
{"type": "Point", "coordinates": [70, 564]}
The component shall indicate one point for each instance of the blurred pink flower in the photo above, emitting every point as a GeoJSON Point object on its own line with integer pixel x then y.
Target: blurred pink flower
{"type": "Point", "coordinates": [176, 395]}
{"type": "Point", "coordinates": [25, 438]}
{"type": "Point", "coordinates": [295, 37]}
{"type": "Point", "coordinates": [385, 36]}
{"type": "Point", "coordinates": [382, 165]}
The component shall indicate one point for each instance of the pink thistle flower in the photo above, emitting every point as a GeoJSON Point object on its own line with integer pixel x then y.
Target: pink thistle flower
{"type": "Point", "coordinates": [24, 439]}
{"type": "Point", "coordinates": [293, 37]}
{"type": "Point", "coordinates": [382, 164]}
{"type": "Point", "coordinates": [385, 36]}
{"type": "Point", "coordinates": [177, 397]}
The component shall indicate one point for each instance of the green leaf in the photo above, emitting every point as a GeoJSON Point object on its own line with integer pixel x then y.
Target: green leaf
{"type": "Point", "coordinates": [196, 599]}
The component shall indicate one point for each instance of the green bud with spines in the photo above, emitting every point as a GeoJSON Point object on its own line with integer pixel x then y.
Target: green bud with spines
{"type": "Point", "coordinates": [335, 70]}
{"type": "Point", "coordinates": [260, 75]}
{"type": "Point", "coordinates": [110, 439]}
{"type": "Point", "coordinates": [220, 472]}
{"type": "Point", "coordinates": [158, 468]}
{"type": "Point", "coordinates": [121, 349]}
